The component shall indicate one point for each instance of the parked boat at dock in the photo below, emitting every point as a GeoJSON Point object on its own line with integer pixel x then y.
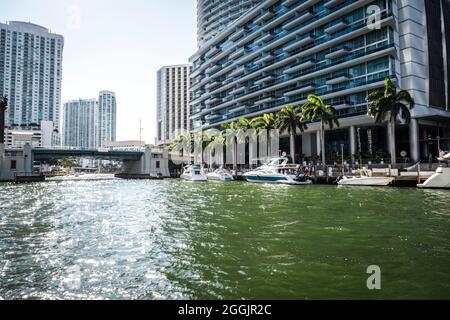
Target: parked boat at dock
{"type": "Point", "coordinates": [194, 173]}
{"type": "Point", "coordinates": [277, 170]}
{"type": "Point", "coordinates": [366, 179]}
{"type": "Point", "coordinates": [440, 180]}
{"type": "Point", "coordinates": [220, 175]}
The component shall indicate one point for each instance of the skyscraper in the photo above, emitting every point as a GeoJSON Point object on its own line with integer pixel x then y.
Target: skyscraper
{"type": "Point", "coordinates": [173, 110]}
{"type": "Point", "coordinates": [280, 51]}
{"type": "Point", "coordinates": [30, 74]}
{"type": "Point", "coordinates": [214, 16]}
{"type": "Point", "coordinates": [81, 122]}
{"type": "Point", "coordinates": [107, 115]}
{"type": "Point", "coordinates": [89, 123]}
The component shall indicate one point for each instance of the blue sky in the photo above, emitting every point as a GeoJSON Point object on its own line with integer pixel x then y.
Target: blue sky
{"type": "Point", "coordinates": [115, 45]}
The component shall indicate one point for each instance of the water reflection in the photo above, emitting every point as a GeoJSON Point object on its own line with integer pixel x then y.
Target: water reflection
{"type": "Point", "coordinates": [174, 240]}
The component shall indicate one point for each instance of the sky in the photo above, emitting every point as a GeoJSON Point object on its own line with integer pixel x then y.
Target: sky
{"type": "Point", "coordinates": [115, 45]}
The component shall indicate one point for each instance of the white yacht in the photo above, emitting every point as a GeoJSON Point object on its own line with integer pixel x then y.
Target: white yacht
{"type": "Point", "coordinates": [194, 173]}
{"type": "Point", "coordinates": [220, 175]}
{"type": "Point", "coordinates": [366, 179]}
{"type": "Point", "coordinates": [276, 170]}
{"type": "Point", "coordinates": [440, 180]}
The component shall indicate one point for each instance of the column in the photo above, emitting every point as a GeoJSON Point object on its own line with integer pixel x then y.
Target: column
{"type": "Point", "coordinates": [306, 144]}
{"type": "Point", "coordinates": [352, 142]}
{"type": "Point", "coordinates": [319, 146]}
{"type": "Point", "coordinates": [414, 140]}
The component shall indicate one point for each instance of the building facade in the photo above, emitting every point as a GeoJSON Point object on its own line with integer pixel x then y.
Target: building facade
{"type": "Point", "coordinates": [30, 74]}
{"type": "Point", "coordinates": [81, 123]}
{"type": "Point", "coordinates": [107, 114]}
{"type": "Point", "coordinates": [173, 102]}
{"type": "Point", "coordinates": [280, 51]}
{"type": "Point", "coordinates": [89, 123]}
{"type": "Point", "coordinates": [214, 16]}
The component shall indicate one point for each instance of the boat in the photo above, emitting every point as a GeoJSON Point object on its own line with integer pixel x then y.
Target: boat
{"type": "Point", "coordinates": [366, 179]}
{"type": "Point", "coordinates": [440, 180]}
{"type": "Point", "coordinates": [194, 173]}
{"type": "Point", "coordinates": [276, 170]}
{"type": "Point", "coordinates": [300, 180]}
{"type": "Point", "coordinates": [220, 175]}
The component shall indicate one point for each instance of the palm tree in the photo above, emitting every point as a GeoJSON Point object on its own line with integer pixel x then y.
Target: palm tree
{"type": "Point", "coordinates": [389, 106]}
{"type": "Point", "coordinates": [266, 122]}
{"type": "Point", "coordinates": [233, 127]}
{"type": "Point", "coordinates": [289, 119]}
{"type": "Point", "coordinates": [315, 109]}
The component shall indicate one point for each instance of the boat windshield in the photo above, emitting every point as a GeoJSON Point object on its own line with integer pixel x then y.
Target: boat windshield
{"type": "Point", "coordinates": [277, 161]}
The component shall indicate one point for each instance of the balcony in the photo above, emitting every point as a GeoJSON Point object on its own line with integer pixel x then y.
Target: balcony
{"type": "Point", "coordinates": [237, 54]}
{"type": "Point", "coordinates": [337, 27]}
{"type": "Point", "coordinates": [265, 80]}
{"type": "Point", "coordinates": [300, 43]}
{"type": "Point", "coordinates": [212, 52]}
{"type": "Point", "coordinates": [339, 53]}
{"type": "Point", "coordinates": [238, 34]}
{"type": "Point", "coordinates": [265, 100]}
{"type": "Point", "coordinates": [301, 19]}
{"type": "Point", "coordinates": [237, 90]}
{"type": "Point", "coordinates": [264, 59]}
{"type": "Point", "coordinates": [343, 105]}
{"type": "Point", "coordinates": [305, 65]}
{"type": "Point", "coordinates": [210, 117]}
{"type": "Point", "coordinates": [289, 3]}
{"type": "Point", "coordinates": [236, 110]}
{"type": "Point", "coordinates": [267, 37]}
{"type": "Point", "coordinates": [211, 85]}
{"type": "Point", "coordinates": [237, 72]}
{"type": "Point", "coordinates": [339, 79]}
{"type": "Point", "coordinates": [333, 3]}
{"type": "Point", "coordinates": [265, 16]}
{"type": "Point", "coordinates": [310, 87]}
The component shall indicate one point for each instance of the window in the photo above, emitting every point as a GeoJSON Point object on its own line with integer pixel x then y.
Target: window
{"type": "Point", "coordinates": [13, 164]}
{"type": "Point", "coordinates": [158, 164]}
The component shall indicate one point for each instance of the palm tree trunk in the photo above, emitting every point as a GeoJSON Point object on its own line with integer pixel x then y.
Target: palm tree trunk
{"type": "Point", "coordinates": [322, 138]}
{"type": "Point", "coordinates": [393, 143]}
{"type": "Point", "coordinates": [292, 141]}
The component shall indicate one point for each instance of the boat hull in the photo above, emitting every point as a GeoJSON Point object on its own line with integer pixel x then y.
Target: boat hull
{"type": "Point", "coordinates": [194, 178]}
{"type": "Point", "coordinates": [366, 181]}
{"type": "Point", "coordinates": [215, 177]}
{"type": "Point", "coordinates": [440, 180]}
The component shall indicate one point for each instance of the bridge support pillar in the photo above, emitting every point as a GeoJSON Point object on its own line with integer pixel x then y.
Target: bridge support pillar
{"type": "Point", "coordinates": [153, 164]}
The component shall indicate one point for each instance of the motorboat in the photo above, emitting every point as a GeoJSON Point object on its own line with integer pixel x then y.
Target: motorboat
{"type": "Point", "coordinates": [194, 173]}
{"type": "Point", "coordinates": [366, 179]}
{"type": "Point", "coordinates": [276, 170]}
{"type": "Point", "coordinates": [440, 180]}
{"type": "Point", "coordinates": [220, 175]}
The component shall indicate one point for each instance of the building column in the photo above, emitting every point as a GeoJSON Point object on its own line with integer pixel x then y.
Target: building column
{"type": "Point", "coordinates": [414, 140]}
{"type": "Point", "coordinates": [319, 146]}
{"type": "Point", "coordinates": [352, 142]}
{"type": "Point", "coordinates": [306, 144]}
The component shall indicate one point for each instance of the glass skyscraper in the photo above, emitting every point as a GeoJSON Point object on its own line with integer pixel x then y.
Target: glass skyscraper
{"type": "Point", "coordinates": [280, 51]}
{"type": "Point", "coordinates": [30, 74]}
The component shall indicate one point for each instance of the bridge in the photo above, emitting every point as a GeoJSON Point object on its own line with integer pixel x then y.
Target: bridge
{"type": "Point", "coordinates": [135, 164]}
{"type": "Point", "coordinates": [47, 154]}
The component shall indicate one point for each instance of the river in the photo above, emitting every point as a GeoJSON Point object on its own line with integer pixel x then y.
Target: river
{"type": "Point", "coordinates": [170, 239]}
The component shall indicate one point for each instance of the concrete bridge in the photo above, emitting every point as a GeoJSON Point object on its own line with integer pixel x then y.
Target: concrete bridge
{"type": "Point", "coordinates": [18, 163]}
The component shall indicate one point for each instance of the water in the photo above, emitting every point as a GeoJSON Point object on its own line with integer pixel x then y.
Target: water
{"type": "Point", "coordinates": [178, 240]}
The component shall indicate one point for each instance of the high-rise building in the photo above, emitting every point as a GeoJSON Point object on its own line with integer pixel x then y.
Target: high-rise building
{"type": "Point", "coordinates": [107, 114]}
{"type": "Point", "coordinates": [89, 123]}
{"type": "Point", "coordinates": [30, 74]}
{"type": "Point", "coordinates": [280, 51]}
{"type": "Point", "coordinates": [215, 15]}
{"type": "Point", "coordinates": [81, 123]}
{"type": "Point", "coordinates": [173, 110]}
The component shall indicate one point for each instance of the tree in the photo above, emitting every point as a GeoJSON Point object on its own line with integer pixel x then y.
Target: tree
{"type": "Point", "coordinates": [289, 119]}
{"type": "Point", "coordinates": [389, 106]}
{"type": "Point", "coordinates": [314, 110]}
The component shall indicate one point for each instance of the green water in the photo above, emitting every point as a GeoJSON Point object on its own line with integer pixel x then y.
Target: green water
{"type": "Point", "coordinates": [178, 240]}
